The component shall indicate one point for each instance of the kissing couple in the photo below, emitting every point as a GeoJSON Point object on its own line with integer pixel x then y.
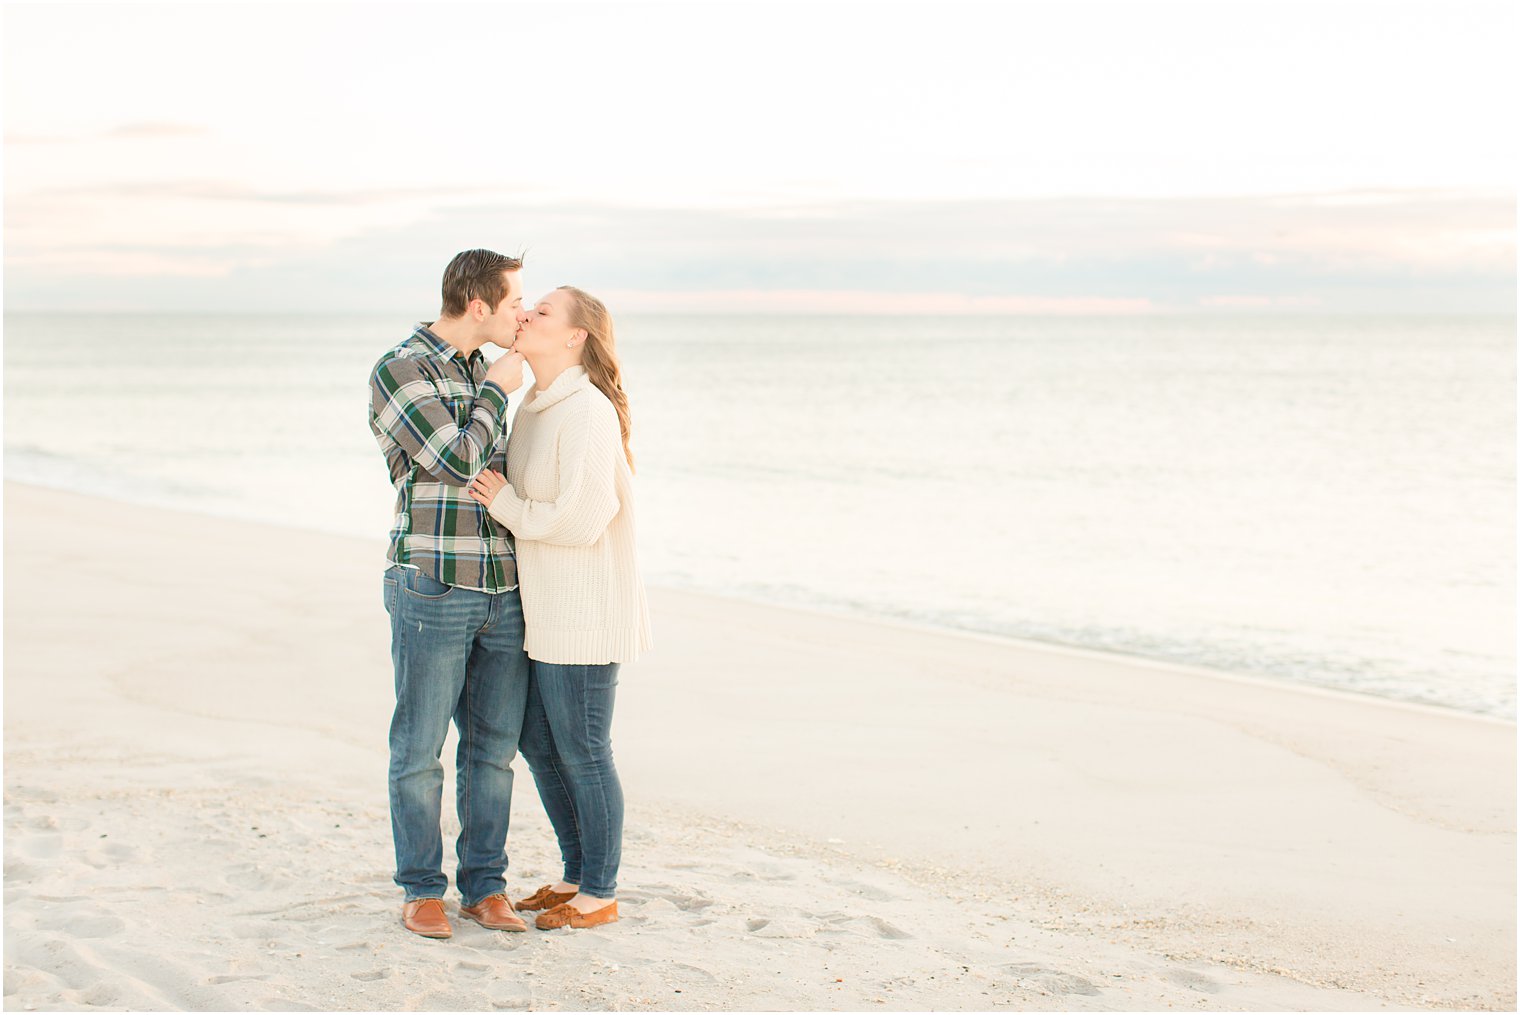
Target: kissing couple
{"type": "Point", "coordinates": [513, 590]}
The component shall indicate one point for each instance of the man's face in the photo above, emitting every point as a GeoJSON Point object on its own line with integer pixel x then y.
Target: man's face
{"type": "Point", "coordinates": [501, 326]}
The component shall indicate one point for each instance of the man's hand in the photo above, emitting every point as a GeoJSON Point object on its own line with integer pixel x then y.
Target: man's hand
{"type": "Point", "coordinates": [507, 372]}
{"type": "Point", "coordinates": [485, 487]}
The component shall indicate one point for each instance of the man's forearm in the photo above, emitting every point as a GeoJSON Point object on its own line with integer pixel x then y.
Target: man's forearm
{"type": "Point", "coordinates": [412, 415]}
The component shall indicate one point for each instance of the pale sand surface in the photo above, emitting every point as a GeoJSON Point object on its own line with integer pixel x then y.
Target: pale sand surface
{"type": "Point", "coordinates": [822, 812]}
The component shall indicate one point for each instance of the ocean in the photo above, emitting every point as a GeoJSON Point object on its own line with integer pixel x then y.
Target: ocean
{"type": "Point", "coordinates": [1324, 500]}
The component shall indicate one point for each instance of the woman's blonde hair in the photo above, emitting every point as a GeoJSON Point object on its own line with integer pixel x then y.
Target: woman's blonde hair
{"type": "Point", "coordinates": [599, 355]}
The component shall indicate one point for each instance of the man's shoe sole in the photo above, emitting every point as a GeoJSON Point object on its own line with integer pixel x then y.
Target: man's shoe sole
{"type": "Point", "coordinates": [509, 928]}
{"type": "Point", "coordinates": [423, 933]}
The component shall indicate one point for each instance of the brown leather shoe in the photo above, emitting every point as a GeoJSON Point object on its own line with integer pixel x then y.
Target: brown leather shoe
{"type": "Point", "coordinates": [545, 898]}
{"type": "Point", "coordinates": [569, 916]}
{"type": "Point", "coordinates": [494, 912]}
{"type": "Point", "coordinates": [426, 917]}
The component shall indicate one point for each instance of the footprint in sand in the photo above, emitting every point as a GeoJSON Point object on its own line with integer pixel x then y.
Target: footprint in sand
{"type": "Point", "coordinates": [875, 926]}
{"type": "Point", "coordinates": [871, 892]}
{"type": "Point", "coordinates": [472, 968]}
{"type": "Point", "coordinates": [113, 854]}
{"type": "Point", "coordinates": [18, 980]}
{"type": "Point", "coordinates": [783, 928]}
{"type": "Point", "coordinates": [69, 917]}
{"type": "Point", "coordinates": [41, 845]}
{"type": "Point", "coordinates": [372, 974]}
{"type": "Point", "coordinates": [1051, 980]}
{"type": "Point", "coordinates": [58, 957]}
{"type": "Point", "coordinates": [104, 995]}
{"type": "Point", "coordinates": [661, 910]}
{"type": "Point", "coordinates": [248, 931]}
{"type": "Point", "coordinates": [688, 902]}
{"type": "Point", "coordinates": [252, 875]}
{"type": "Point", "coordinates": [687, 977]}
{"type": "Point", "coordinates": [511, 997]}
{"type": "Point", "coordinates": [1194, 981]}
{"type": "Point", "coordinates": [773, 872]}
{"type": "Point", "coordinates": [16, 873]}
{"type": "Point", "coordinates": [278, 1003]}
{"type": "Point", "coordinates": [93, 925]}
{"type": "Point", "coordinates": [217, 981]}
{"type": "Point", "coordinates": [651, 911]}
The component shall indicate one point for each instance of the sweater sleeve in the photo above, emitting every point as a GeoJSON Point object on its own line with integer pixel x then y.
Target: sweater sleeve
{"type": "Point", "coordinates": [586, 454]}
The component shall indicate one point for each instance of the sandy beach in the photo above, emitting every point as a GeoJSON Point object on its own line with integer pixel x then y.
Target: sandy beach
{"type": "Point", "coordinates": [823, 812]}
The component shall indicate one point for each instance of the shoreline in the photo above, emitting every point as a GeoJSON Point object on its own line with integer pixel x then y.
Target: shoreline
{"type": "Point", "coordinates": [1098, 655]}
{"type": "Point", "coordinates": [825, 812]}
{"type": "Point", "coordinates": [862, 616]}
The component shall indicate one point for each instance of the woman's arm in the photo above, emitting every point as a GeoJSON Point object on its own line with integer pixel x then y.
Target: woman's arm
{"type": "Point", "coordinates": [587, 453]}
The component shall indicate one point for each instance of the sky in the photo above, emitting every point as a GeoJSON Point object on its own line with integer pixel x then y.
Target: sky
{"type": "Point", "coordinates": [1069, 157]}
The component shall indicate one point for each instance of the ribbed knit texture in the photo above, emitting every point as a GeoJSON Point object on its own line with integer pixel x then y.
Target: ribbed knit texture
{"type": "Point", "coordinates": [570, 505]}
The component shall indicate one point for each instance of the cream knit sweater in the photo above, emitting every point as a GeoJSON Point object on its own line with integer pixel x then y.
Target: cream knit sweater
{"type": "Point", "coordinates": [569, 502]}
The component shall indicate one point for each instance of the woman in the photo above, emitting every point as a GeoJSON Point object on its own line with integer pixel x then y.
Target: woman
{"type": "Point", "coordinates": [567, 498]}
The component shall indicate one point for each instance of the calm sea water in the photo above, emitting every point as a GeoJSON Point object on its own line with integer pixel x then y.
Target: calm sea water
{"type": "Point", "coordinates": [1325, 500]}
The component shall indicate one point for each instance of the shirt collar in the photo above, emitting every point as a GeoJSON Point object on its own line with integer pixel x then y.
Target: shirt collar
{"type": "Point", "coordinates": [436, 345]}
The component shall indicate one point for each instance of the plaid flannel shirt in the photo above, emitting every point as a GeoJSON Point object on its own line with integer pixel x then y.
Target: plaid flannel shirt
{"type": "Point", "coordinates": [439, 425]}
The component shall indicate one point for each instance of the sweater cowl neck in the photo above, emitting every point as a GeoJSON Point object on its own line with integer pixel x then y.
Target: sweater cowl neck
{"type": "Point", "coordinates": [566, 384]}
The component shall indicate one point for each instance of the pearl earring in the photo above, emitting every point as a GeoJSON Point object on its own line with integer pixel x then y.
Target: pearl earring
{"type": "Point", "coordinates": [569, 345]}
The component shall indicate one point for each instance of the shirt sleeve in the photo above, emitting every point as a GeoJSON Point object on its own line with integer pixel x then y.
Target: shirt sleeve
{"type": "Point", "coordinates": [586, 454]}
{"type": "Point", "coordinates": [405, 407]}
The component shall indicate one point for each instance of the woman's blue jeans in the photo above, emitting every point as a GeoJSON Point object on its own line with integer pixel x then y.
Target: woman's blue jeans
{"type": "Point", "coordinates": [567, 739]}
{"type": "Point", "coordinates": [458, 655]}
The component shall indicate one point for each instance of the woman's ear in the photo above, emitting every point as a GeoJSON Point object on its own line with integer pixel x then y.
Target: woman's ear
{"type": "Point", "coordinates": [580, 334]}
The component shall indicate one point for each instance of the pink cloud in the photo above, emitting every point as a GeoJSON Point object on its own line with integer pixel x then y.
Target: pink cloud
{"type": "Point", "coordinates": [1230, 302]}
{"type": "Point", "coordinates": [158, 130]}
{"type": "Point", "coordinates": [847, 301]}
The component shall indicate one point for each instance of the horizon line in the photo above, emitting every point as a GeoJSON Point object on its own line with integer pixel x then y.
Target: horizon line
{"type": "Point", "coordinates": [1155, 311]}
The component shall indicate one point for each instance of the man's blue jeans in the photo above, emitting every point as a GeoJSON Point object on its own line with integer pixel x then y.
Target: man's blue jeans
{"type": "Point", "coordinates": [567, 739]}
{"type": "Point", "coordinates": [458, 655]}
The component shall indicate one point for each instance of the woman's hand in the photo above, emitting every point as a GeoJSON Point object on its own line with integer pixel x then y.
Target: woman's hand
{"type": "Point", "coordinates": [485, 487]}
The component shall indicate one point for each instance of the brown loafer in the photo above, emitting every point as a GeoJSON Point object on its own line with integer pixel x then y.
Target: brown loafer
{"type": "Point", "coordinates": [494, 912]}
{"type": "Point", "coordinates": [426, 917]}
{"type": "Point", "coordinates": [569, 916]}
{"type": "Point", "coordinates": [545, 898]}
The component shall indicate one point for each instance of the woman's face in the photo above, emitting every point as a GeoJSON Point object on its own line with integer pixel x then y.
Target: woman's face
{"type": "Point", "coordinates": [546, 326]}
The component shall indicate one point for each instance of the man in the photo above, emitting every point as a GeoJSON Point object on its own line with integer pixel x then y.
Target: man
{"type": "Point", "coordinates": [439, 415]}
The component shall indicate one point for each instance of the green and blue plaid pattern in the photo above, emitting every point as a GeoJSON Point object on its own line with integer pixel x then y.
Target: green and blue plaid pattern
{"type": "Point", "coordinates": [439, 425]}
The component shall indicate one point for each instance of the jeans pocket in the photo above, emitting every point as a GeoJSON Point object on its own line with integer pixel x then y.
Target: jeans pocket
{"type": "Point", "coordinates": [420, 586]}
{"type": "Point", "coordinates": [388, 592]}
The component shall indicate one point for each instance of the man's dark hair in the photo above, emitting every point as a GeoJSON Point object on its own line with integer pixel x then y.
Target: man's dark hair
{"type": "Point", "coordinates": [476, 274]}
